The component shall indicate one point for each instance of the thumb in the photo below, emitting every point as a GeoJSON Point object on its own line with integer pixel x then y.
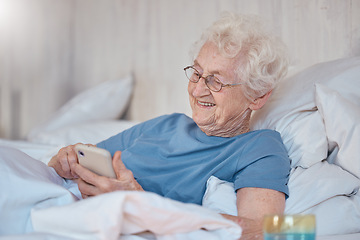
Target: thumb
{"type": "Point", "coordinates": [118, 165]}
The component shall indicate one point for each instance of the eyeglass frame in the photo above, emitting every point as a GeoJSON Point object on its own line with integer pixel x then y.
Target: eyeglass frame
{"type": "Point", "coordinates": [207, 81]}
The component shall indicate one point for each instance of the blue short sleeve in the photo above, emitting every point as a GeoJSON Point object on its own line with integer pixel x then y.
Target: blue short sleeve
{"type": "Point", "coordinates": [270, 164]}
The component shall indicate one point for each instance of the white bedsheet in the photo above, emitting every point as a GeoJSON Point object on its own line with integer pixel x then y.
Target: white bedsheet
{"type": "Point", "coordinates": [39, 151]}
{"type": "Point", "coordinates": [354, 236]}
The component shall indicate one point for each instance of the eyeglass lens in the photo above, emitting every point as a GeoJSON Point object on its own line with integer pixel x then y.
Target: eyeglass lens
{"type": "Point", "coordinates": [210, 80]}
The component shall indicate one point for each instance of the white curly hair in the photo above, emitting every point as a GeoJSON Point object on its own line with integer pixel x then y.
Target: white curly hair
{"type": "Point", "coordinates": [263, 59]}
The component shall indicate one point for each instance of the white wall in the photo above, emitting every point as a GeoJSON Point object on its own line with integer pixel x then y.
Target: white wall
{"type": "Point", "coordinates": [52, 49]}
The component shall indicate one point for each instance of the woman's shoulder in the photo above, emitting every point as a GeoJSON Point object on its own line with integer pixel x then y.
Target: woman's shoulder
{"type": "Point", "coordinates": [154, 126]}
{"type": "Point", "coordinates": [266, 132]}
{"type": "Point", "coordinates": [265, 139]}
{"type": "Point", "coordinates": [163, 122]}
{"type": "Point", "coordinates": [168, 118]}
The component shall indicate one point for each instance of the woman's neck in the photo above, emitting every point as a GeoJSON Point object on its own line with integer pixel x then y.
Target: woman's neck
{"type": "Point", "coordinates": [236, 126]}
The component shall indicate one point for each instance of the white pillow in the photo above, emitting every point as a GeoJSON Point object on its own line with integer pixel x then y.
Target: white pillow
{"type": "Point", "coordinates": [342, 124]}
{"type": "Point", "coordinates": [304, 139]}
{"type": "Point", "coordinates": [292, 105]}
{"type": "Point", "coordinates": [105, 101]}
{"type": "Point", "coordinates": [220, 196]}
{"type": "Point", "coordinates": [91, 132]}
{"type": "Point", "coordinates": [309, 189]}
{"type": "Point", "coordinates": [334, 220]}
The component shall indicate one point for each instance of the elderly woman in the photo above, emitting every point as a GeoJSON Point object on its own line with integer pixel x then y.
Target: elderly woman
{"type": "Point", "coordinates": [235, 69]}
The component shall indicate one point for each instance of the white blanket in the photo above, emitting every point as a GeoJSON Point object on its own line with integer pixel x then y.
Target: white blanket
{"type": "Point", "coordinates": [36, 201]}
{"type": "Point", "coordinates": [128, 213]}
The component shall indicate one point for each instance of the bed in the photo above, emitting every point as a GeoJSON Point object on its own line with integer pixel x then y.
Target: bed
{"type": "Point", "coordinates": [316, 111]}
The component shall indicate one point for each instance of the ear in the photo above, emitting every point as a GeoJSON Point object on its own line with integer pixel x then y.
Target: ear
{"type": "Point", "coordinates": [260, 101]}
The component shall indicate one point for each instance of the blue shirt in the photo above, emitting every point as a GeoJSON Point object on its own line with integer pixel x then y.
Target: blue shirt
{"type": "Point", "coordinates": [171, 156]}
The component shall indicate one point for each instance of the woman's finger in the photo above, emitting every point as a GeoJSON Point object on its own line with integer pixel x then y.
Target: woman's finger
{"type": "Point", "coordinates": [118, 164]}
{"type": "Point", "coordinates": [87, 189]}
{"type": "Point", "coordinates": [85, 174]}
{"type": "Point", "coordinates": [62, 158]}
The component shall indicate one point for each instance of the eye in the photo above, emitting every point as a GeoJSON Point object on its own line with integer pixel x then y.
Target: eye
{"type": "Point", "coordinates": [213, 80]}
{"type": "Point", "coordinates": [196, 72]}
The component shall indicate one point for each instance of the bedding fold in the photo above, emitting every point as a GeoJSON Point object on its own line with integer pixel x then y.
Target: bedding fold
{"type": "Point", "coordinates": [127, 212]}
{"type": "Point", "coordinates": [26, 183]}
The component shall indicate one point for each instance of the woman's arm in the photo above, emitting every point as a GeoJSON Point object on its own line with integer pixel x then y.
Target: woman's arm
{"type": "Point", "coordinates": [253, 204]}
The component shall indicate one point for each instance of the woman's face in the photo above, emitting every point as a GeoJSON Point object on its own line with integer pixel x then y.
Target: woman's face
{"type": "Point", "coordinates": [225, 113]}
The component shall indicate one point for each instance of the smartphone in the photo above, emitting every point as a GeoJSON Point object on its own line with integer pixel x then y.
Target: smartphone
{"type": "Point", "coordinates": [95, 159]}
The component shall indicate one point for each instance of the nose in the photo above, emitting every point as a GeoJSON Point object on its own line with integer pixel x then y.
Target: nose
{"type": "Point", "coordinates": [200, 89]}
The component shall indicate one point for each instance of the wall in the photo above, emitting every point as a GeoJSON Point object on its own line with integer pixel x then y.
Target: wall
{"type": "Point", "coordinates": [51, 50]}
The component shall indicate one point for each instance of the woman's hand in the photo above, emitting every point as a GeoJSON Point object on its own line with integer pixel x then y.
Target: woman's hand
{"type": "Point", "coordinates": [91, 184]}
{"type": "Point", "coordinates": [64, 161]}
{"type": "Point", "coordinates": [251, 229]}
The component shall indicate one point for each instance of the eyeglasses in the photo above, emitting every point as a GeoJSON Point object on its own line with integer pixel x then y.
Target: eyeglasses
{"type": "Point", "coordinates": [212, 82]}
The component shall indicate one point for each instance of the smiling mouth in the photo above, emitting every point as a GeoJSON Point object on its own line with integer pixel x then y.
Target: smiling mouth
{"type": "Point", "coordinates": [206, 104]}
